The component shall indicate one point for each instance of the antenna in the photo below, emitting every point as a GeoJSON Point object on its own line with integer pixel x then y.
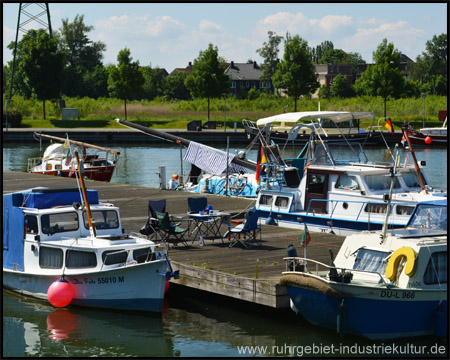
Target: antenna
{"type": "Point", "coordinates": [33, 13]}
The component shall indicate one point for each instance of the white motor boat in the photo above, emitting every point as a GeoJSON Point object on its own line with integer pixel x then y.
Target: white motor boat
{"type": "Point", "coordinates": [47, 237]}
{"type": "Point", "coordinates": [333, 195]}
{"type": "Point", "coordinates": [380, 285]}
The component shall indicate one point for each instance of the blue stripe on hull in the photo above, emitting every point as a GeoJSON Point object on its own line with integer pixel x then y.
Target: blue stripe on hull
{"type": "Point", "coordinates": [374, 319]}
{"type": "Point", "coordinates": [322, 221]}
{"type": "Point", "coordinates": [151, 305]}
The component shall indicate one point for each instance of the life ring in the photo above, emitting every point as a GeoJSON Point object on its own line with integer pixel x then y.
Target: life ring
{"type": "Point", "coordinates": [410, 267]}
{"type": "Point", "coordinates": [304, 169]}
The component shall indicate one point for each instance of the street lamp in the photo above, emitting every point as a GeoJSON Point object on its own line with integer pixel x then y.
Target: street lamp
{"type": "Point", "coordinates": [225, 112]}
{"type": "Point", "coordinates": [424, 95]}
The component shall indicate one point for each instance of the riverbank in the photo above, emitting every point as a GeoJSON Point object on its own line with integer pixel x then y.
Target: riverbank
{"type": "Point", "coordinates": [125, 135]}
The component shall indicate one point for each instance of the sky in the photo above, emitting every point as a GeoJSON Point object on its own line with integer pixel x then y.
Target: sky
{"type": "Point", "coordinates": [170, 35]}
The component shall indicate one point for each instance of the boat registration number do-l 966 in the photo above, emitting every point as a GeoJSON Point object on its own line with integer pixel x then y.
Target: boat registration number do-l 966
{"type": "Point", "coordinates": [397, 294]}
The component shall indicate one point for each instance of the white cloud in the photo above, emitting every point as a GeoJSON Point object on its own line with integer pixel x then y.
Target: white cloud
{"type": "Point", "coordinates": [206, 25]}
{"type": "Point", "coordinates": [331, 23]}
{"type": "Point", "coordinates": [405, 38]}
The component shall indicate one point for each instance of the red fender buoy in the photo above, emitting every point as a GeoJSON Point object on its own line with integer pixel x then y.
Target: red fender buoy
{"type": "Point", "coordinates": [60, 293]}
{"type": "Point", "coordinates": [427, 140]}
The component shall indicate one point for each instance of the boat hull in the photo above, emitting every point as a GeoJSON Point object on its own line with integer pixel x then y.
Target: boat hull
{"type": "Point", "coordinates": [318, 223]}
{"type": "Point", "coordinates": [417, 138]}
{"type": "Point", "coordinates": [100, 173]}
{"type": "Point", "coordinates": [373, 313]}
{"type": "Point", "coordinates": [137, 287]}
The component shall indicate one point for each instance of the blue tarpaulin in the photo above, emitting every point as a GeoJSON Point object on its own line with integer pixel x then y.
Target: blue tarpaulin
{"type": "Point", "coordinates": [46, 198]}
{"type": "Point", "coordinates": [13, 234]}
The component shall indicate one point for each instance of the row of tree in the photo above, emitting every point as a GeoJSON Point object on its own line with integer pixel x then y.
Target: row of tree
{"type": "Point", "coordinates": [70, 64]}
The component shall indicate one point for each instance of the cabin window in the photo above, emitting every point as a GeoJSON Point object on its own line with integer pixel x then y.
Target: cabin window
{"type": "Point", "coordinates": [48, 167]}
{"type": "Point", "coordinates": [103, 219]}
{"type": "Point", "coordinates": [31, 224]}
{"type": "Point", "coordinates": [404, 210]}
{"type": "Point", "coordinates": [50, 258]}
{"type": "Point", "coordinates": [347, 182]}
{"type": "Point", "coordinates": [436, 272]}
{"type": "Point", "coordinates": [60, 222]}
{"type": "Point", "coordinates": [111, 257]}
{"type": "Point", "coordinates": [265, 200]}
{"type": "Point", "coordinates": [371, 260]}
{"type": "Point", "coordinates": [376, 208]}
{"type": "Point", "coordinates": [380, 182]}
{"type": "Point", "coordinates": [282, 201]}
{"type": "Point", "coordinates": [411, 179]}
{"type": "Point", "coordinates": [76, 259]}
{"type": "Point", "coordinates": [58, 166]}
{"type": "Point", "coordinates": [142, 255]}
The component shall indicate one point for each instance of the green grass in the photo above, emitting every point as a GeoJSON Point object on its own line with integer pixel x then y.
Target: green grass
{"type": "Point", "coordinates": [101, 113]}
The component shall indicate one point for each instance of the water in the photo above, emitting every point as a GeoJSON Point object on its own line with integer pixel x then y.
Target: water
{"type": "Point", "coordinates": [188, 327]}
{"type": "Point", "coordinates": [138, 164]}
{"type": "Point", "coordinates": [200, 325]}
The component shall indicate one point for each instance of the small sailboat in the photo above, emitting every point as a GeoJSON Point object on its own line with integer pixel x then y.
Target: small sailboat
{"type": "Point", "coordinates": [65, 246]}
{"type": "Point", "coordinates": [99, 163]}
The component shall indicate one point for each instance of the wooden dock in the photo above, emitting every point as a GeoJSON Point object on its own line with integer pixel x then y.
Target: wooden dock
{"type": "Point", "coordinates": [247, 274]}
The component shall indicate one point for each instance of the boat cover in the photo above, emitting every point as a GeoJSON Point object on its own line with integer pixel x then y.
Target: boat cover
{"type": "Point", "coordinates": [13, 234]}
{"type": "Point", "coordinates": [43, 198]}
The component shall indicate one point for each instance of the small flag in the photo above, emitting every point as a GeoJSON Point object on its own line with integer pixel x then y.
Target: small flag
{"type": "Point", "coordinates": [261, 160]}
{"type": "Point", "coordinates": [404, 139]}
{"type": "Point", "coordinates": [389, 126]}
{"type": "Point", "coordinates": [306, 237]}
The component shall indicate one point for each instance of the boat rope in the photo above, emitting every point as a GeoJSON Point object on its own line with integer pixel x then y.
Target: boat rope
{"type": "Point", "coordinates": [244, 210]}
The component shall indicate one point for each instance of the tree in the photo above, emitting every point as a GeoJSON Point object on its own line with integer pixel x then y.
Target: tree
{"type": "Point", "coordinates": [296, 72]}
{"type": "Point", "coordinates": [125, 80]}
{"type": "Point", "coordinates": [84, 75]}
{"type": "Point", "coordinates": [153, 82]}
{"type": "Point", "coordinates": [321, 49]}
{"type": "Point", "coordinates": [269, 52]}
{"type": "Point", "coordinates": [41, 64]}
{"type": "Point", "coordinates": [340, 87]}
{"type": "Point", "coordinates": [435, 58]}
{"type": "Point", "coordinates": [174, 87]}
{"type": "Point", "coordinates": [208, 79]}
{"type": "Point", "coordinates": [384, 78]}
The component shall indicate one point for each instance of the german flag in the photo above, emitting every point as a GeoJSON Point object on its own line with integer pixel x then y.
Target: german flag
{"type": "Point", "coordinates": [389, 126]}
{"type": "Point", "coordinates": [261, 160]}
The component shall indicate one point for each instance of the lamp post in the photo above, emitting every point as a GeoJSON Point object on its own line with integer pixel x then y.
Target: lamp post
{"type": "Point", "coordinates": [424, 95]}
{"type": "Point", "coordinates": [225, 112]}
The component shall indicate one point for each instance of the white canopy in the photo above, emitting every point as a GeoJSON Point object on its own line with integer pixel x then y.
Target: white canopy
{"type": "Point", "coordinates": [335, 116]}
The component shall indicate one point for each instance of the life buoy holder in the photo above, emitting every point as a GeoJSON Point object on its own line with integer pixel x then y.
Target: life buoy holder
{"type": "Point", "coordinates": [304, 169]}
{"type": "Point", "coordinates": [392, 265]}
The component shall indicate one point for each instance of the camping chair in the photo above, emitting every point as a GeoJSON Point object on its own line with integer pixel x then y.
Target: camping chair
{"type": "Point", "coordinates": [195, 205]}
{"type": "Point", "coordinates": [249, 229]}
{"type": "Point", "coordinates": [169, 229]}
{"type": "Point", "coordinates": [151, 229]}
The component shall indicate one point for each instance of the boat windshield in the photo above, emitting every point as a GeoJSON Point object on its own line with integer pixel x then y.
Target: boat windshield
{"type": "Point", "coordinates": [428, 216]}
{"type": "Point", "coordinates": [380, 182]}
{"type": "Point", "coordinates": [411, 179]}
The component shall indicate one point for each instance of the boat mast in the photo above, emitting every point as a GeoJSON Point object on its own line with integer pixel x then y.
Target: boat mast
{"type": "Point", "coordinates": [77, 143]}
{"type": "Point", "coordinates": [177, 140]}
{"type": "Point", "coordinates": [86, 201]}
{"type": "Point", "coordinates": [416, 165]}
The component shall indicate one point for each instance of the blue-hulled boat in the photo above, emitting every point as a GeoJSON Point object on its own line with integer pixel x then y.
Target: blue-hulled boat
{"type": "Point", "coordinates": [379, 286]}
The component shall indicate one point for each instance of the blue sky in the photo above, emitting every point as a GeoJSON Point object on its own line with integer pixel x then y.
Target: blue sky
{"type": "Point", "coordinates": [169, 35]}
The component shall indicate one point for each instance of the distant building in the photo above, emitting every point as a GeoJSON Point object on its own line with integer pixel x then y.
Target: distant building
{"type": "Point", "coordinates": [188, 69]}
{"type": "Point", "coordinates": [327, 72]}
{"type": "Point", "coordinates": [245, 76]}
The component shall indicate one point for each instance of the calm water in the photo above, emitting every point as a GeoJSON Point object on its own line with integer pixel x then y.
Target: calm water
{"type": "Point", "coordinates": [138, 164]}
{"type": "Point", "coordinates": [190, 325]}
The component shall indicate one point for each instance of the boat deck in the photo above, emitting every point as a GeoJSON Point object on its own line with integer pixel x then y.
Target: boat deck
{"type": "Point", "coordinates": [246, 274]}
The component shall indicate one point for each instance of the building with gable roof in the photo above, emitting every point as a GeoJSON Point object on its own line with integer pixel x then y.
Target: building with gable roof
{"type": "Point", "coordinates": [245, 76]}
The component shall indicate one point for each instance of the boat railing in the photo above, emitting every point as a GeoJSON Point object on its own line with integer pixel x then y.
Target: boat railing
{"type": "Point", "coordinates": [32, 162]}
{"type": "Point", "coordinates": [304, 261]}
{"type": "Point", "coordinates": [274, 174]}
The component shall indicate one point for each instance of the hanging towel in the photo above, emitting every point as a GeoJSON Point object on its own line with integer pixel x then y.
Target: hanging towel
{"type": "Point", "coordinates": [211, 160]}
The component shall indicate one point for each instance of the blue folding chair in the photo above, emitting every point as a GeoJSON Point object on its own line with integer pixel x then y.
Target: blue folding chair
{"type": "Point", "coordinates": [249, 230]}
{"type": "Point", "coordinates": [204, 226]}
